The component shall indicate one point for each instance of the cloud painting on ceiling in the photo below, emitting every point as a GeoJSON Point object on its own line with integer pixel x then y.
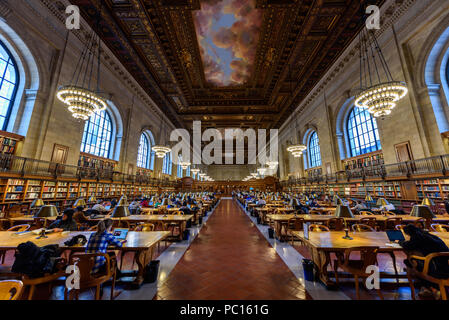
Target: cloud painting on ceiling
{"type": "Point", "coordinates": [228, 32]}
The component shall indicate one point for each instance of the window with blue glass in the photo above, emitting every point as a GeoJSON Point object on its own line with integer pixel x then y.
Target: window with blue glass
{"type": "Point", "coordinates": [145, 158]}
{"type": "Point", "coordinates": [188, 171]}
{"type": "Point", "coordinates": [362, 132]}
{"type": "Point", "coordinates": [314, 151]}
{"type": "Point", "coordinates": [179, 167]}
{"type": "Point", "coordinates": [97, 135]}
{"type": "Point", "coordinates": [167, 164]}
{"type": "Point", "coordinates": [9, 79]}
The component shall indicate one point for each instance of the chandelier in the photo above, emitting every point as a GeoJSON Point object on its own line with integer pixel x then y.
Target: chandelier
{"type": "Point", "coordinates": [195, 170]}
{"type": "Point", "coordinates": [379, 92]}
{"type": "Point", "coordinates": [185, 165]}
{"type": "Point", "coordinates": [160, 149]}
{"type": "Point", "coordinates": [79, 97]}
{"type": "Point", "coordinates": [297, 150]}
{"type": "Point", "coordinates": [272, 164]}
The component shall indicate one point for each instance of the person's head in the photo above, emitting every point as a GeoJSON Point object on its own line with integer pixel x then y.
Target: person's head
{"type": "Point", "coordinates": [104, 226]}
{"type": "Point", "coordinates": [184, 204]}
{"type": "Point", "coordinates": [67, 214]}
{"type": "Point", "coordinates": [413, 231]}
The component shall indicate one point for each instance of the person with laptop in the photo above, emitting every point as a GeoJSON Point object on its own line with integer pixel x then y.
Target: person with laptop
{"type": "Point", "coordinates": [99, 242]}
{"type": "Point", "coordinates": [100, 208]}
{"type": "Point", "coordinates": [424, 243]}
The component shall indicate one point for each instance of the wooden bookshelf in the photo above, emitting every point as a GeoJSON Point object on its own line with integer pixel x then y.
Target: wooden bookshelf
{"type": "Point", "coordinates": [90, 161]}
{"type": "Point", "coordinates": [367, 160]}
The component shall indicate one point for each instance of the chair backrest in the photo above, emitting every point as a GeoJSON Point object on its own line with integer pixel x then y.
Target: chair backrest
{"type": "Point", "coordinates": [362, 228]}
{"type": "Point", "coordinates": [160, 226]}
{"type": "Point", "coordinates": [400, 227]}
{"type": "Point", "coordinates": [369, 221]}
{"type": "Point", "coordinates": [391, 223]}
{"type": "Point", "coordinates": [10, 289]}
{"type": "Point", "coordinates": [366, 213]}
{"type": "Point", "coordinates": [85, 262]}
{"type": "Point", "coordinates": [145, 227]}
{"type": "Point", "coordinates": [20, 228]}
{"type": "Point", "coordinates": [440, 227]}
{"type": "Point", "coordinates": [120, 224]}
{"type": "Point", "coordinates": [367, 256]}
{"type": "Point", "coordinates": [336, 224]}
{"type": "Point", "coordinates": [318, 228]}
{"type": "Point", "coordinates": [296, 224]}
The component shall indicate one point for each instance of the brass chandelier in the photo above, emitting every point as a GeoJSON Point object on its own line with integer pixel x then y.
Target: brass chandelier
{"type": "Point", "coordinates": [161, 150]}
{"type": "Point", "coordinates": [78, 96]}
{"type": "Point", "coordinates": [379, 92]}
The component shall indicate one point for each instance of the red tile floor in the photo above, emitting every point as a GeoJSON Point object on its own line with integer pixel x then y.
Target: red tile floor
{"type": "Point", "coordinates": [231, 260]}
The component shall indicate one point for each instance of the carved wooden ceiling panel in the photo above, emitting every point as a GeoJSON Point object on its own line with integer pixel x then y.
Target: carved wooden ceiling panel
{"type": "Point", "coordinates": [157, 41]}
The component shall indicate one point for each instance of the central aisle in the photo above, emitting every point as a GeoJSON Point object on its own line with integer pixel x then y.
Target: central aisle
{"type": "Point", "coordinates": [231, 260]}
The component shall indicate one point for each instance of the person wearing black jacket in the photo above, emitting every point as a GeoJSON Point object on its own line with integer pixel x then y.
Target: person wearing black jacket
{"type": "Point", "coordinates": [423, 243]}
{"type": "Point", "coordinates": [65, 223]}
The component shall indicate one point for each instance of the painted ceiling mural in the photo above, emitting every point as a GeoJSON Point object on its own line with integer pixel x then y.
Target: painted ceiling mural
{"type": "Point", "coordinates": [228, 32]}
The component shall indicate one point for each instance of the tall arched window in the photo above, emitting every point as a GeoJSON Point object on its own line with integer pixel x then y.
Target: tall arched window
{"type": "Point", "coordinates": [362, 132]}
{"type": "Point", "coordinates": [188, 171]}
{"type": "Point", "coordinates": [9, 79]}
{"type": "Point", "coordinates": [97, 135]}
{"type": "Point", "coordinates": [314, 151]}
{"type": "Point", "coordinates": [145, 158]}
{"type": "Point", "coordinates": [180, 171]}
{"type": "Point", "coordinates": [167, 164]}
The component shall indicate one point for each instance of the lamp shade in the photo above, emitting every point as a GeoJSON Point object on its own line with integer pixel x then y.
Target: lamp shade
{"type": "Point", "coordinates": [381, 202]}
{"type": "Point", "coordinates": [79, 203]}
{"type": "Point", "coordinates": [368, 198]}
{"type": "Point", "coordinates": [120, 212]}
{"type": "Point", "coordinates": [47, 212]}
{"type": "Point", "coordinates": [427, 202]}
{"type": "Point", "coordinates": [36, 203]}
{"type": "Point", "coordinates": [92, 199]}
{"type": "Point", "coordinates": [343, 212]}
{"type": "Point", "coordinates": [123, 201]}
{"type": "Point", "coordinates": [422, 212]}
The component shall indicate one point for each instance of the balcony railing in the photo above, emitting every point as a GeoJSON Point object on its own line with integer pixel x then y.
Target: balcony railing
{"type": "Point", "coordinates": [31, 167]}
{"type": "Point", "coordinates": [438, 165]}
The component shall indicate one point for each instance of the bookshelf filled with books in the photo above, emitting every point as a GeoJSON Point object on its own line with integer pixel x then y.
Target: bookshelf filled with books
{"type": "Point", "coordinates": [367, 160]}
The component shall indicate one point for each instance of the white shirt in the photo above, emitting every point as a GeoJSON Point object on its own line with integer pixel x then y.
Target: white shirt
{"type": "Point", "coordinates": [388, 207]}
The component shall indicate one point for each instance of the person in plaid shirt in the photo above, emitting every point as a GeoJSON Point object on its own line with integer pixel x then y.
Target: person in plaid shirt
{"type": "Point", "coordinates": [100, 241]}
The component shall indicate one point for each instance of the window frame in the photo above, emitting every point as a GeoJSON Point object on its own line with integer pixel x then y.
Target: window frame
{"type": "Point", "coordinates": [361, 149]}
{"type": "Point", "coordinates": [13, 62]}
{"type": "Point", "coordinates": [314, 151]}
{"type": "Point", "coordinates": [86, 133]}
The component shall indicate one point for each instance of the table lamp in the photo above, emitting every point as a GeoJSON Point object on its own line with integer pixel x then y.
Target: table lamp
{"type": "Point", "coordinates": [368, 198]}
{"type": "Point", "coordinates": [37, 203]}
{"type": "Point", "coordinates": [427, 202]}
{"type": "Point", "coordinates": [92, 199]}
{"type": "Point", "coordinates": [79, 203]}
{"type": "Point", "coordinates": [343, 212]}
{"type": "Point", "coordinates": [381, 202]}
{"type": "Point", "coordinates": [421, 211]}
{"type": "Point", "coordinates": [123, 201]}
{"type": "Point", "coordinates": [47, 212]}
{"type": "Point", "coordinates": [120, 212]}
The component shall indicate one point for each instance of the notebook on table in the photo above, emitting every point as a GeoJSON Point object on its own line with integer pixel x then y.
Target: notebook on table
{"type": "Point", "coordinates": [121, 233]}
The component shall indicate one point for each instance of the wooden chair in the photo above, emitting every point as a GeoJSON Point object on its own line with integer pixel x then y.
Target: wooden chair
{"type": "Point", "coordinates": [362, 228]}
{"type": "Point", "coordinates": [295, 224]}
{"type": "Point", "coordinates": [318, 228]}
{"type": "Point", "coordinates": [366, 213]}
{"type": "Point", "coordinates": [10, 289]}
{"type": "Point", "coordinates": [145, 227]}
{"type": "Point", "coordinates": [368, 257]}
{"type": "Point", "coordinates": [336, 224]}
{"type": "Point", "coordinates": [400, 227]}
{"type": "Point", "coordinates": [440, 227]}
{"type": "Point", "coordinates": [391, 223]}
{"type": "Point", "coordinates": [120, 224]}
{"type": "Point", "coordinates": [18, 228]}
{"type": "Point", "coordinates": [85, 262]}
{"type": "Point", "coordinates": [369, 221]}
{"type": "Point", "coordinates": [413, 272]}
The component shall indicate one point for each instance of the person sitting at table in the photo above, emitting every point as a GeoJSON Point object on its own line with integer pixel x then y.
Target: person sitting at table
{"type": "Point", "coordinates": [313, 203]}
{"type": "Point", "coordinates": [113, 203]}
{"type": "Point", "coordinates": [261, 202]}
{"type": "Point", "coordinates": [185, 209]}
{"type": "Point", "coordinates": [158, 203]}
{"type": "Point", "coordinates": [81, 218]}
{"type": "Point", "coordinates": [423, 243]}
{"type": "Point", "coordinates": [360, 206]}
{"type": "Point", "coordinates": [134, 207]}
{"type": "Point", "coordinates": [65, 223]}
{"type": "Point", "coordinates": [446, 205]}
{"type": "Point", "coordinates": [388, 207]}
{"type": "Point", "coordinates": [99, 242]}
{"type": "Point", "coordinates": [145, 203]}
{"type": "Point", "coordinates": [100, 207]}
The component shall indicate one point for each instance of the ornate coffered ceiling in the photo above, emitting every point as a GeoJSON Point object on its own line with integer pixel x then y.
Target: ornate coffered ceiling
{"type": "Point", "coordinates": [294, 44]}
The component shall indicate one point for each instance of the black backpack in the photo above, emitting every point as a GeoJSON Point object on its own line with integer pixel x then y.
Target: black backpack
{"type": "Point", "coordinates": [34, 261]}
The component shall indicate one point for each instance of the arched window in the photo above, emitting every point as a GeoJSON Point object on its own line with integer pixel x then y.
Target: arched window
{"type": "Point", "coordinates": [362, 133]}
{"type": "Point", "coordinates": [9, 79]}
{"type": "Point", "coordinates": [145, 158]}
{"type": "Point", "coordinates": [180, 171]}
{"type": "Point", "coordinates": [314, 151]}
{"type": "Point", "coordinates": [188, 171]}
{"type": "Point", "coordinates": [97, 135]}
{"type": "Point", "coordinates": [167, 164]}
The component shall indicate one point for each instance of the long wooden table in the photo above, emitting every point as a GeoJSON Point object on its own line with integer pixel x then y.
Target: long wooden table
{"type": "Point", "coordinates": [141, 243]}
{"type": "Point", "coordinates": [316, 218]}
{"type": "Point", "coordinates": [322, 244]}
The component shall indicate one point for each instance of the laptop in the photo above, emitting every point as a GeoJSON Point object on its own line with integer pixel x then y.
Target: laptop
{"type": "Point", "coordinates": [306, 230]}
{"type": "Point", "coordinates": [121, 233]}
{"type": "Point", "coordinates": [395, 236]}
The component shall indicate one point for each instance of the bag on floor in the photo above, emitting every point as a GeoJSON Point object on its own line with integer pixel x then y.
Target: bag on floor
{"type": "Point", "coordinates": [271, 233]}
{"type": "Point", "coordinates": [186, 235]}
{"type": "Point", "coordinates": [151, 272]}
